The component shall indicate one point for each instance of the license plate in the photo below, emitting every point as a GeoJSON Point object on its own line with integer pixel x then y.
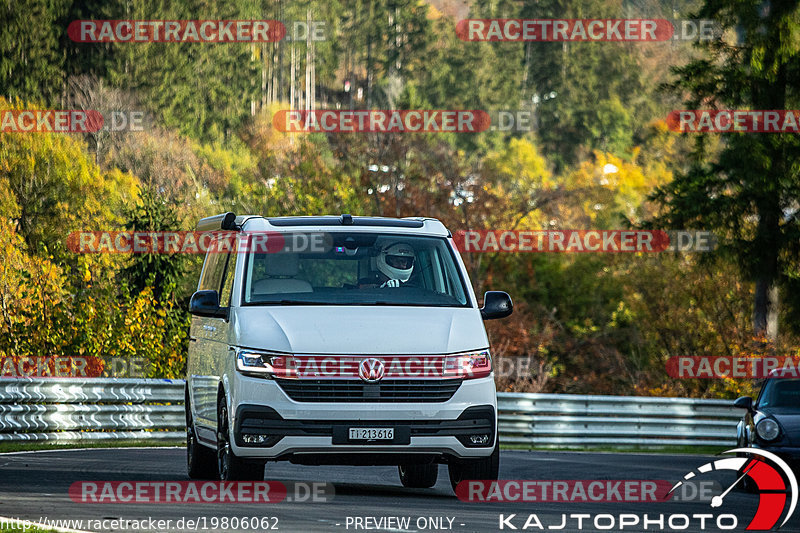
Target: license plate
{"type": "Point", "coordinates": [371, 433]}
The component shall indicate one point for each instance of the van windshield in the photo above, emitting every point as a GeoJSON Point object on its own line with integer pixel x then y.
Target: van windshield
{"type": "Point", "coordinates": [355, 269]}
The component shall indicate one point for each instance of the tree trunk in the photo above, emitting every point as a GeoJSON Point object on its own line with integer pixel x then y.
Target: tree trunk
{"type": "Point", "coordinates": [264, 75]}
{"type": "Point", "coordinates": [761, 306]}
{"type": "Point", "coordinates": [769, 95]}
{"type": "Point", "coordinates": [772, 312]}
{"type": "Point", "coordinates": [369, 59]}
{"type": "Point", "coordinates": [765, 309]}
{"type": "Point", "coordinates": [293, 76]}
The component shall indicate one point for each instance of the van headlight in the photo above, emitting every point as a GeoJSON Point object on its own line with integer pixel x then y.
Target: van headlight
{"type": "Point", "coordinates": [768, 429]}
{"type": "Point", "coordinates": [264, 364]}
{"type": "Point", "coordinates": [468, 365]}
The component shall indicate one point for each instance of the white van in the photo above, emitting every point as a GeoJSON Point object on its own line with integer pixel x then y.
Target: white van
{"type": "Point", "coordinates": [339, 340]}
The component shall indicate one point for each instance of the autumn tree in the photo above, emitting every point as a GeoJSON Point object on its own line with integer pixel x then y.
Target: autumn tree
{"type": "Point", "coordinates": [748, 190]}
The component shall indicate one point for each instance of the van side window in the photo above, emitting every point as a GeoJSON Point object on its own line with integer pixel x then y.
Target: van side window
{"type": "Point", "coordinates": [213, 269]}
{"type": "Point", "coordinates": [228, 277]}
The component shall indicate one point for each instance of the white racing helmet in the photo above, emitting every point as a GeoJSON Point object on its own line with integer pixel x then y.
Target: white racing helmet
{"type": "Point", "coordinates": [396, 261]}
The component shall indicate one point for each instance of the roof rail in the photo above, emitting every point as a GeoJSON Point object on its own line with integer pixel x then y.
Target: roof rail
{"type": "Point", "coordinates": [345, 220]}
{"type": "Point", "coordinates": [225, 221]}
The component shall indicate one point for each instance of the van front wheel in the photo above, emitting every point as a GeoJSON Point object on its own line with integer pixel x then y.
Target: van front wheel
{"type": "Point", "coordinates": [419, 476]}
{"type": "Point", "coordinates": [231, 467]}
{"type": "Point", "coordinates": [485, 468]}
{"type": "Point", "coordinates": [200, 461]}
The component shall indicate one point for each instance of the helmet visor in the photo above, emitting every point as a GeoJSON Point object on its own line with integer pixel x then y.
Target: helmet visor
{"type": "Point", "coordinates": [403, 262]}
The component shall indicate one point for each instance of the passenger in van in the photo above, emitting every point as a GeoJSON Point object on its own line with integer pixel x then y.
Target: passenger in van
{"type": "Point", "coordinates": [281, 269]}
{"type": "Point", "coordinates": [395, 263]}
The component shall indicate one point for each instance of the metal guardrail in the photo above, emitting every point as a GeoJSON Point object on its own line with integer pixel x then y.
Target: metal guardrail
{"type": "Point", "coordinates": [70, 410]}
{"type": "Point", "coordinates": [75, 410]}
{"type": "Point", "coordinates": [567, 420]}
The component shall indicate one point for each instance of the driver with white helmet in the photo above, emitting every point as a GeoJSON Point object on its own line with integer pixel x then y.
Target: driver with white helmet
{"type": "Point", "coordinates": [395, 263]}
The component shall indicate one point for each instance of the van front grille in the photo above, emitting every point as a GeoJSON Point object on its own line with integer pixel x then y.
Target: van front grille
{"type": "Point", "coordinates": [350, 390]}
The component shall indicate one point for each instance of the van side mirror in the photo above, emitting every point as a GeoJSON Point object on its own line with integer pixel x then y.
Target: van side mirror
{"type": "Point", "coordinates": [745, 402]}
{"type": "Point", "coordinates": [496, 304]}
{"type": "Point", "coordinates": [206, 303]}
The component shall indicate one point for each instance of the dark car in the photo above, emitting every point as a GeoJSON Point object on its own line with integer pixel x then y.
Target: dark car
{"type": "Point", "coordinates": [772, 422]}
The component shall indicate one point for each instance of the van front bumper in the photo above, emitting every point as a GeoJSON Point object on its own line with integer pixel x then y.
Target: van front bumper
{"type": "Point", "coordinates": [267, 424]}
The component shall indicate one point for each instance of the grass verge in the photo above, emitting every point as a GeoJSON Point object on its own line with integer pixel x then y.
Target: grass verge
{"type": "Point", "coordinates": [39, 446]}
{"type": "Point", "coordinates": [670, 450]}
{"type": "Point", "coordinates": [21, 529]}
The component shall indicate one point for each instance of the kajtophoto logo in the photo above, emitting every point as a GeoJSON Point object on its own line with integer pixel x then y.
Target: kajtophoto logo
{"type": "Point", "coordinates": [773, 478]}
{"type": "Point", "coordinates": [767, 474]}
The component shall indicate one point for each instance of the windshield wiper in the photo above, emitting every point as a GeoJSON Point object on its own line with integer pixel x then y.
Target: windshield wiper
{"type": "Point", "coordinates": [311, 302]}
{"type": "Point", "coordinates": [300, 302]}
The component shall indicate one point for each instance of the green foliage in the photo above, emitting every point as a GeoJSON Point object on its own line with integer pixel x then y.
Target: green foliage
{"type": "Point", "coordinates": [31, 62]}
{"type": "Point", "coordinates": [47, 313]}
{"type": "Point", "coordinates": [159, 271]}
{"type": "Point", "coordinates": [55, 302]}
{"type": "Point", "coordinates": [592, 323]}
{"type": "Point", "coordinates": [57, 187]}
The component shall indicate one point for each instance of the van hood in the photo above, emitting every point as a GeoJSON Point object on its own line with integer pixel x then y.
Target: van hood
{"type": "Point", "coordinates": [376, 330]}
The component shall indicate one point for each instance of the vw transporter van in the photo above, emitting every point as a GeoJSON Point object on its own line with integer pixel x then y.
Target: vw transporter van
{"type": "Point", "coordinates": [339, 340]}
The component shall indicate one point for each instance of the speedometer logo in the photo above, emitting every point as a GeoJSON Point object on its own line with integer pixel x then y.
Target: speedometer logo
{"type": "Point", "coordinates": [769, 473]}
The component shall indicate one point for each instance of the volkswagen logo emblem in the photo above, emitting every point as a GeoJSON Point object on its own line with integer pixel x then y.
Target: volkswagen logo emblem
{"type": "Point", "coordinates": [371, 370]}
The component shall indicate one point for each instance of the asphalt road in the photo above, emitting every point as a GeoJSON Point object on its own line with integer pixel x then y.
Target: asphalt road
{"type": "Point", "coordinates": [35, 485]}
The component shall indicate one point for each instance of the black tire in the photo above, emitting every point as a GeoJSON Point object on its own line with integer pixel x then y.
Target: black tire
{"type": "Point", "coordinates": [487, 468]}
{"type": "Point", "coordinates": [201, 461]}
{"type": "Point", "coordinates": [418, 476]}
{"type": "Point", "coordinates": [231, 467]}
